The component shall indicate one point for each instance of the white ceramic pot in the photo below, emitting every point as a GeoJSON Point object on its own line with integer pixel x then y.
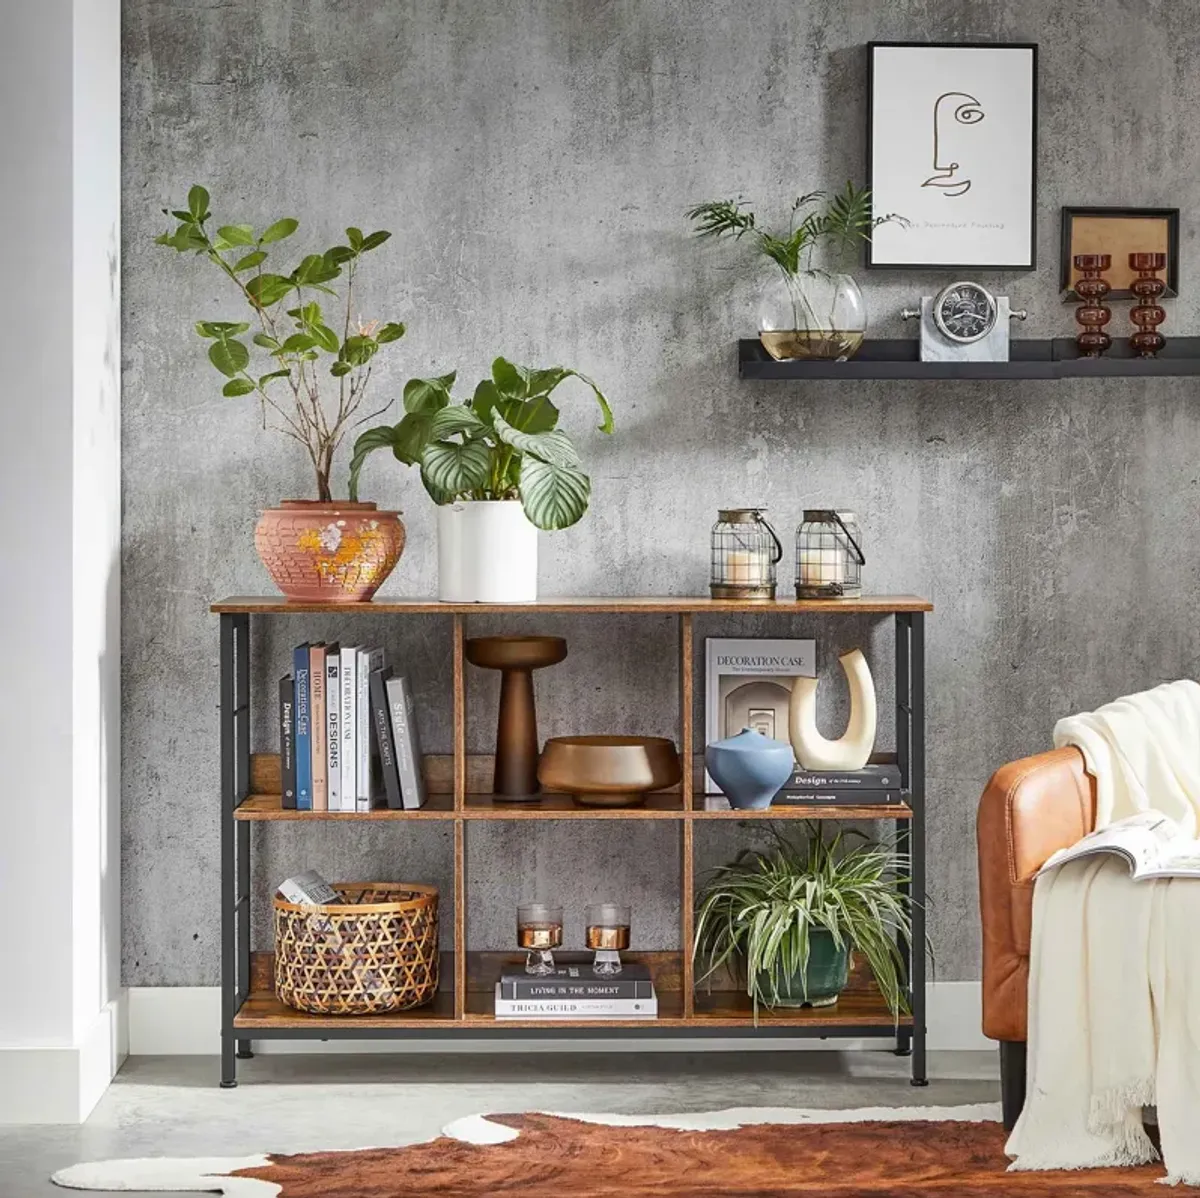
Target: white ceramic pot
{"type": "Point", "coordinates": [487, 553]}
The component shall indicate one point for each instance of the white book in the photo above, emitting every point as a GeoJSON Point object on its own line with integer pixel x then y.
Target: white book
{"type": "Point", "coordinates": [349, 728]}
{"type": "Point", "coordinates": [333, 721]}
{"type": "Point", "coordinates": [1150, 843]}
{"type": "Point", "coordinates": [572, 1008]}
{"type": "Point", "coordinates": [368, 660]}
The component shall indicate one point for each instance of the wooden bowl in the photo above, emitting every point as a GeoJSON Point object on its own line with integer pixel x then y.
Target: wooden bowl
{"type": "Point", "coordinates": [609, 771]}
{"type": "Point", "coordinates": [515, 652]}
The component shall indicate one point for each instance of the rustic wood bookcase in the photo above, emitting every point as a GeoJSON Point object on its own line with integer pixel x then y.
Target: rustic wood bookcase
{"type": "Point", "coordinates": [250, 792]}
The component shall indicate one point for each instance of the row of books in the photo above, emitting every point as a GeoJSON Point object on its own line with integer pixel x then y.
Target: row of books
{"type": "Point", "coordinates": [576, 991]}
{"type": "Point", "coordinates": [347, 732]}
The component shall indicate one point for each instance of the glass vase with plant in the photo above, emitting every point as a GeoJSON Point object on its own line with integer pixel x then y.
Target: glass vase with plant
{"type": "Point", "coordinates": [807, 310]}
{"type": "Point", "coordinates": [311, 387]}
{"type": "Point", "coordinates": [498, 467]}
{"type": "Point", "coordinates": [788, 918]}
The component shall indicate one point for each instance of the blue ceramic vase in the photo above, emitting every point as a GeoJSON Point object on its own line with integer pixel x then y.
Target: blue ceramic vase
{"type": "Point", "coordinates": [750, 768]}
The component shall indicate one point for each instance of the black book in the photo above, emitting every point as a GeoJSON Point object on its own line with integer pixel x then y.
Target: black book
{"type": "Point", "coordinates": [838, 798]}
{"type": "Point", "coordinates": [577, 981]}
{"type": "Point", "coordinates": [287, 742]}
{"type": "Point", "coordinates": [874, 776]}
{"type": "Point", "coordinates": [381, 734]}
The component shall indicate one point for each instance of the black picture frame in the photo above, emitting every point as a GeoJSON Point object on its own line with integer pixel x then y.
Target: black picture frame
{"type": "Point", "coordinates": [1070, 213]}
{"type": "Point", "coordinates": [1030, 261]}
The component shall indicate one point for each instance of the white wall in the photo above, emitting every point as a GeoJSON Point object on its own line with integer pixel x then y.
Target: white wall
{"type": "Point", "coordinates": [60, 506]}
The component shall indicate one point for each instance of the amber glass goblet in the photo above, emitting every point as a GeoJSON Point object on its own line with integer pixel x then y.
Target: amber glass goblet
{"type": "Point", "coordinates": [539, 932]}
{"type": "Point", "coordinates": [607, 934]}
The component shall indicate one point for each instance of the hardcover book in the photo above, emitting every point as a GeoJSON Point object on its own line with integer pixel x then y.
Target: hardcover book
{"type": "Point", "coordinates": [287, 742]}
{"type": "Point", "coordinates": [381, 728]}
{"type": "Point", "coordinates": [333, 711]}
{"type": "Point", "coordinates": [568, 1008]}
{"type": "Point", "coordinates": [348, 749]}
{"type": "Point", "coordinates": [365, 780]}
{"type": "Point", "coordinates": [577, 982]}
{"type": "Point", "coordinates": [875, 775]}
{"type": "Point", "coordinates": [303, 737]}
{"type": "Point", "coordinates": [407, 741]}
{"type": "Point", "coordinates": [748, 684]}
{"type": "Point", "coordinates": [320, 763]}
{"type": "Point", "coordinates": [837, 798]}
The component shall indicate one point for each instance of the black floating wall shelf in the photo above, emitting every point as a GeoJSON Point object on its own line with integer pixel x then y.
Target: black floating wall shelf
{"type": "Point", "coordinates": [1053, 359]}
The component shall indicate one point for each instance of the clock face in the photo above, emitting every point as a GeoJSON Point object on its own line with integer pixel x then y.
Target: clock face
{"type": "Point", "coordinates": [964, 312]}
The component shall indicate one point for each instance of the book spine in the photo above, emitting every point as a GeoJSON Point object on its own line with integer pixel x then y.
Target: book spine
{"type": "Point", "coordinates": [320, 763]}
{"type": "Point", "coordinates": [349, 751]}
{"type": "Point", "coordinates": [368, 660]}
{"type": "Point", "coordinates": [837, 798]}
{"type": "Point", "coordinates": [303, 738]}
{"type": "Point", "coordinates": [534, 991]}
{"type": "Point", "coordinates": [886, 778]}
{"type": "Point", "coordinates": [333, 711]}
{"type": "Point", "coordinates": [382, 725]}
{"type": "Point", "coordinates": [408, 749]}
{"type": "Point", "coordinates": [287, 743]}
{"type": "Point", "coordinates": [628, 1008]}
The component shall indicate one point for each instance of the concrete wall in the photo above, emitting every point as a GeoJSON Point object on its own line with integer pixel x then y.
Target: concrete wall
{"type": "Point", "coordinates": [533, 161]}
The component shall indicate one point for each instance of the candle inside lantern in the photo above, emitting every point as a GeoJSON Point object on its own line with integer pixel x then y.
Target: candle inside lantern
{"type": "Point", "coordinates": [539, 929]}
{"type": "Point", "coordinates": [607, 934]}
{"type": "Point", "coordinates": [747, 567]}
{"type": "Point", "coordinates": [822, 567]}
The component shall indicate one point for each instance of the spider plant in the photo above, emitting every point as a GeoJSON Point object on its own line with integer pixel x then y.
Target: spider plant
{"type": "Point", "coordinates": [759, 913]}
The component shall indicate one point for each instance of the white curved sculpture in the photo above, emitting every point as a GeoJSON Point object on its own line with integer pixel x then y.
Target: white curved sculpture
{"type": "Point", "coordinates": [852, 750]}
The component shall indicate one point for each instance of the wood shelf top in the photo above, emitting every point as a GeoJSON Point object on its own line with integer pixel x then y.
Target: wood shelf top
{"type": "Point", "coordinates": [263, 1010]}
{"type": "Point", "coordinates": [1056, 358]}
{"type": "Point", "coordinates": [270, 807]}
{"type": "Point", "coordinates": [855, 1008]}
{"type": "Point", "coordinates": [578, 604]}
{"type": "Point", "coordinates": [661, 806]}
{"type": "Point", "coordinates": [667, 805]}
{"type": "Point", "coordinates": [717, 807]}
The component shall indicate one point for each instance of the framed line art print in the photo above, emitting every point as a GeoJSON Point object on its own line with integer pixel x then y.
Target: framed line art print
{"type": "Point", "coordinates": [952, 148]}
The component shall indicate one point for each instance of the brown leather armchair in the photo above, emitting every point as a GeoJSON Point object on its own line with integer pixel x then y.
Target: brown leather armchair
{"type": "Point", "coordinates": [1029, 809]}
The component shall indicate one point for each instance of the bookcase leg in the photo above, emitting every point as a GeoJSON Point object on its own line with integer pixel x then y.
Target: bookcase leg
{"type": "Point", "coordinates": [245, 1051]}
{"type": "Point", "coordinates": [228, 1061]}
{"type": "Point", "coordinates": [917, 833]}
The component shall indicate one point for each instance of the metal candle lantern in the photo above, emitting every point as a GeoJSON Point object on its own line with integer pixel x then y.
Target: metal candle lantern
{"type": "Point", "coordinates": [829, 556]}
{"type": "Point", "coordinates": [745, 550]}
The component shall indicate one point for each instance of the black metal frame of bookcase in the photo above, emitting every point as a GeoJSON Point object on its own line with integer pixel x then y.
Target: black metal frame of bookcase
{"type": "Point", "coordinates": [236, 1043]}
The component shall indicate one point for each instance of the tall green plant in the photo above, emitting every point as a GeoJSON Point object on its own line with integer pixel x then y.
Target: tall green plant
{"type": "Point", "coordinates": [502, 443]}
{"type": "Point", "coordinates": [758, 913]}
{"type": "Point", "coordinates": [843, 220]}
{"type": "Point", "coordinates": [300, 343]}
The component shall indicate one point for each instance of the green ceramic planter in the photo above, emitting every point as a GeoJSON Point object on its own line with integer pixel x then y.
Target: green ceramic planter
{"type": "Point", "coordinates": [825, 979]}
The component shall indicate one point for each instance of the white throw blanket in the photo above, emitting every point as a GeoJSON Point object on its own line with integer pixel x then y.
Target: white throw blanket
{"type": "Point", "coordinates": [1114, 970]}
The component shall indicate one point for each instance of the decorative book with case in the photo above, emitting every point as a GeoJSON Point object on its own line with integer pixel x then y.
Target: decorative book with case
{"type": "Point", "coordinates": [457, 793]}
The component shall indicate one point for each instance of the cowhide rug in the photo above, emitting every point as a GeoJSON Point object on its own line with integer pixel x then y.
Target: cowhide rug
{"type": "Point", "coordinates": [915, 1152]}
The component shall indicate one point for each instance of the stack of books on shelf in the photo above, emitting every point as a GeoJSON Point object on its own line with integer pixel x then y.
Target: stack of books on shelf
{"type": "Point", "coordinates": [576, 991]}
{"type": "Point", "coordinates": [347, 732]}
{"type": "Point", "coordinates": [877, 784]}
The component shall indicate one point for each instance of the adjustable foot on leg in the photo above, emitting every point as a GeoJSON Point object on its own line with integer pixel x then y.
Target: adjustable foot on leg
{"type": "Point", "coordinates": [244, 1051]}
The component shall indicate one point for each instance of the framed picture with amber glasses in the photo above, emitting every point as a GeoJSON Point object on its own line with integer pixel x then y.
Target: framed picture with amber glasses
{"type": "Point", "coordinates": [1119, 232]}
{"type": "Point", "coordinates": [952, 149]}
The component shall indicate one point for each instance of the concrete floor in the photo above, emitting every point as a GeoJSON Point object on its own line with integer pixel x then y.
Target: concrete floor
{"type": "Point", "coordinates": [171, 1106]}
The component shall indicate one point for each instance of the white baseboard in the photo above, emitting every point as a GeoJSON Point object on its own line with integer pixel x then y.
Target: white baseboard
{"type": "Point", "coordinates": [186, 1021]}
{"type": "Point", "coordinates": [62, 1083]}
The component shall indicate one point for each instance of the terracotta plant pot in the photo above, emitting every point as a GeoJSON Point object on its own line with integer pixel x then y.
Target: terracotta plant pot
{"type": "Point", "coordinates": [328, 552]}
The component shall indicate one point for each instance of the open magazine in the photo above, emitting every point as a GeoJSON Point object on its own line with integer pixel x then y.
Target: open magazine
{"type": "Point", "coordinates": [1152, 845]}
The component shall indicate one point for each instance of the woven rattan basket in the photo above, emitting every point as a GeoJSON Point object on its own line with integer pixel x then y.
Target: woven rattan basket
{"type": "Point", "coordinates": [375, 952]}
